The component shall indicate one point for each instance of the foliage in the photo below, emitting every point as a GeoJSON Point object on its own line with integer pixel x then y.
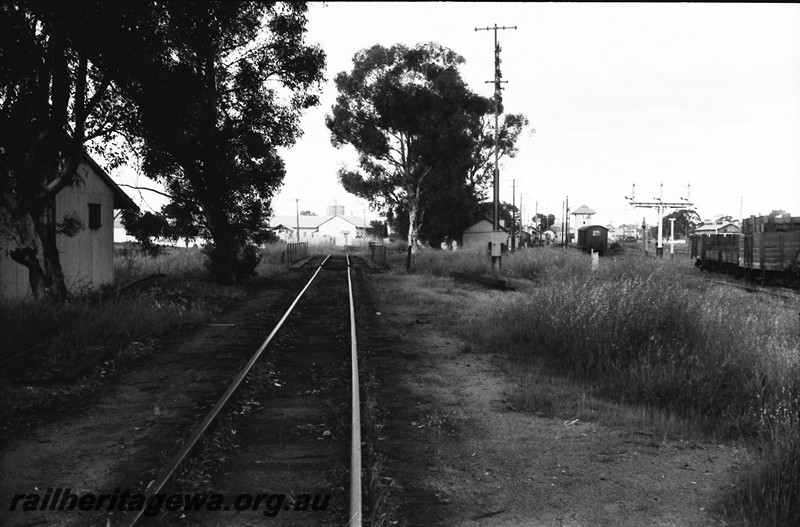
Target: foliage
{"type": "Point", "coordinates": [410, 117]}
{"type": "Point", "coordinates": [378, 229]}
{"type": "Point", "coordinates": [544, 222]}
{"type": "Point", "coordinates": [210, 118]}
{"type": "Point", "coordinates": [481, 167]}
{"type": "Point", "coordinates": [686, 220]}
{"type": "Point", "coordinates": [778, 213]}
{"type": "Point", "coordinates": [56, 93]}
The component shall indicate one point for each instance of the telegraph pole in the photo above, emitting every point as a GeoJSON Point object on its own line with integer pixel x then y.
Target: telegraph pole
{"type": "Point", "coordinates": [566, 219]}
{"type": "Point", "coordinates": [297, 205]}
{"type": "Point", "coordinates": [522, 221]}
{"type": "Point", "coordinates": [513, 213]}
{"type": "Point", "coordinates": [497, 88]}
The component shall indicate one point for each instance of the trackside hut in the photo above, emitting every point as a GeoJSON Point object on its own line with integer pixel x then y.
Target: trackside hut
{"type": "Point", "coordinates": [87, 259]}
{"type": "Point", "coordinates": [479, 234]}
{"type": "Point", "coordinates": [718, 228]}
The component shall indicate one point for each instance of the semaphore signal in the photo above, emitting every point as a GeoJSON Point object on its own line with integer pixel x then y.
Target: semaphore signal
{"type": "Point", "coordinates": [660, 205]}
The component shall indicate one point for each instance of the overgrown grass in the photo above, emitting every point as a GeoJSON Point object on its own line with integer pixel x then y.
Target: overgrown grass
{"type": "Point", "coordinates": [176, 262]}
{"type": "Point", "coordinates": [84, 327]}
{"type": "Point", "coordinates": [639, 332]}
{"type": "Point", "coordinates": [189, 262]}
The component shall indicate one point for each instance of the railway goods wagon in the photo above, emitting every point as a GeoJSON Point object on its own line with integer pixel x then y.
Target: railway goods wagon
{"type": "Point", "coordinates": [593, 238]}
{"type": "Point", "coordinates": [767, 247]}
{"type": "Point", "coordinates": [717, 252]}
{"type": "Point", "coordinates": [771, 244]}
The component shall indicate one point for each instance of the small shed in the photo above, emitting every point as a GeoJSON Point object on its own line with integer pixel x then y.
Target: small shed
{"type": "Point", "coordinates": [87, 259]}
{"type": "Point", "coordinates": [718, 228]}
{"type": "Point", "coordinates": [479, 234]}
{"type": "Point", "coordinates": [593, 238]}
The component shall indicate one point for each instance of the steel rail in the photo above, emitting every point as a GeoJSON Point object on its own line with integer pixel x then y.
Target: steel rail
{"type": "Point", "coordinates": [355, 425]}
{"type": "Point", "coordinates": [166, 473]}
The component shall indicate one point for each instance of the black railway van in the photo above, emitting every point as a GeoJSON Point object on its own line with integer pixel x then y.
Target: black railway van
{"type": "Point", "coordinates": [593, 238]}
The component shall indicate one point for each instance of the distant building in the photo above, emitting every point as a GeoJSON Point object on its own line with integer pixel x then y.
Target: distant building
{"type": "Point", "coordinates": [627, 231]}
{"type": "Point", "coordinates": [87, 259]}
{"type": "Point", "coordinates": [717, 228]}
{"type": "Point", "coordinates": [552, 235]}
{"type": "Point", "coordinates": [336, 229]}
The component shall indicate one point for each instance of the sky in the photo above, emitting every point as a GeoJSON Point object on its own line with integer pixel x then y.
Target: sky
{"type": "Point", "coordinates": [703, 99]}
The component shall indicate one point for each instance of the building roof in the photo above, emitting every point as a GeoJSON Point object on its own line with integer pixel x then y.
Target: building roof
{"type": "Point", "coordinates": [356, 221]}
{"type": "Point", "coordinates": [311, 222]}
{"type": "Point", "coordinates": [291, 222]}
{"type": "Point", "coordinates": [487, 219]}
{"type": "Point", "coordinates": [714, 227]}
{"type": "Point", "coordinates": [121, 199]}
{"type": "Point", "coordinates": [583, 209]}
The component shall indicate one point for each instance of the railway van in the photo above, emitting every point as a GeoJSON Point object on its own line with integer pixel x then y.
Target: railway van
{"type": "Point", "coordinates": [593, 238]}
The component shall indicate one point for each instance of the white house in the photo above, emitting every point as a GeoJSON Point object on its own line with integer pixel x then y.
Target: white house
{"type": "Point", "coordinates": [87, 259]}
{"type": "Point", "coordinates": [337, 229]}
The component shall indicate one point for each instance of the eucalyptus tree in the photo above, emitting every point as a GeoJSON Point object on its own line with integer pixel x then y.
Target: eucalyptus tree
{"type": "Point", "coordinates": [410, 116]}
{"type": "Point", "coordinates": [218, 88]}
{"type": "Point", "coordinates": [481, 167]}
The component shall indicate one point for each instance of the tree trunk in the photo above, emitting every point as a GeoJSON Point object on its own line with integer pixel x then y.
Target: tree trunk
{"type": "Point", "coordinates": [412, 233]}
{"type": "Point", "coordinates": [224, 258]}
{"type": "Point", "coordinates": [29, 252]}
{"type": "Point", "coordinates": [46, 231]}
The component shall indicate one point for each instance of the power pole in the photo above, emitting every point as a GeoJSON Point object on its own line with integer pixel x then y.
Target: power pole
{"type": "Point", "coordinates": [566, 216]}
{"type": "Point", "coordinates": [671, 238]}
{"type": "Point", "coordinates": [522, 221]}
{"type": "Point", "coordinates": [297, 205]}
{"type": "Point", "coordinates": [513, 213]}
{"type": "Point", "coordinates": [497, 82]}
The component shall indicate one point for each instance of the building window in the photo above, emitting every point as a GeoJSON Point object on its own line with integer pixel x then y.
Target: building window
{"type": "Point", "coordinates": [94, 216]}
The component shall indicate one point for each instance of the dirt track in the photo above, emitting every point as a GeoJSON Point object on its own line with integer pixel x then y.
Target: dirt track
{"type": "Point", "coordinates": [464, 456]}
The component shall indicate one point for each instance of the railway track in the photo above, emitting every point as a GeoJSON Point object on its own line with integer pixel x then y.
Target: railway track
{"type": "Point", "coordinates": [288, 457]}
{"type": "Point", "coordinates": [784, 293]}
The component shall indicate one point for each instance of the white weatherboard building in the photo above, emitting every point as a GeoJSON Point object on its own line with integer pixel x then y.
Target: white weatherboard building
{"type": "Point", "coordinates": [479, 234]}
{"type": "Point", "coordinates": [337, 229]}
{"type": "Point", "coordinates": [87, 259]}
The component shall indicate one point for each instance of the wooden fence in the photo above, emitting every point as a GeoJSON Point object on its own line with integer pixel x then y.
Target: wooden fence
{"type": "Point", "coordinates": [296, 251]}
{"type": "Point", "coordinates": [377, 252]}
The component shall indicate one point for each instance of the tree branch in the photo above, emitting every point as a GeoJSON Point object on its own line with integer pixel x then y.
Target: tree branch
{"type": "Point", "coordinates": [156, 191]}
